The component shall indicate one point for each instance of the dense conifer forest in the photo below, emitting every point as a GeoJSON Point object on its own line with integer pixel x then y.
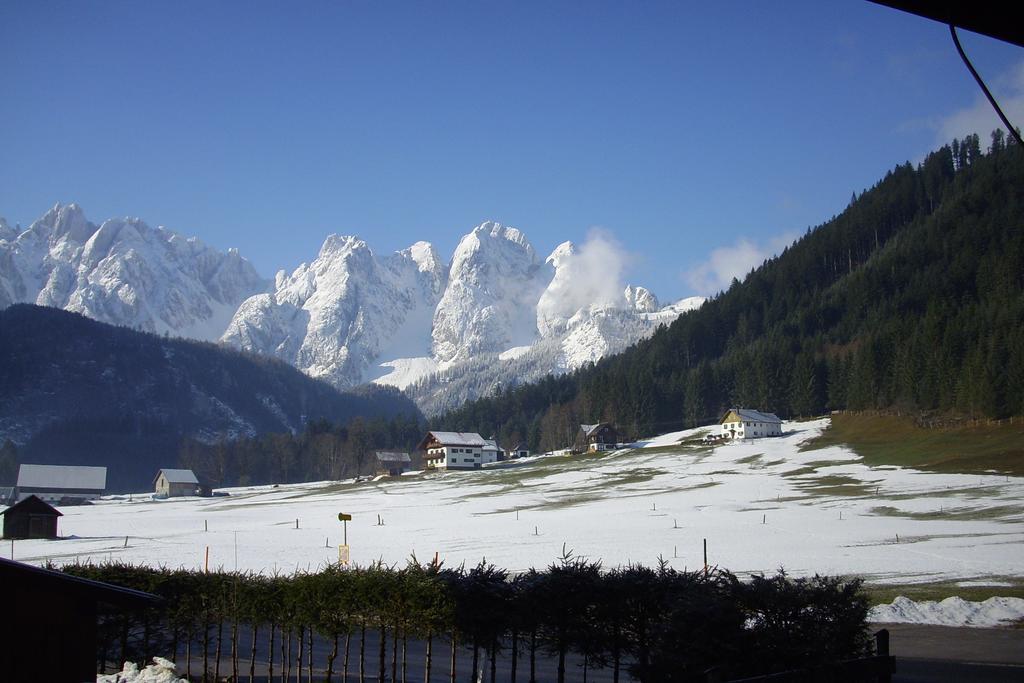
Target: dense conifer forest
{"type": "Point", "coordinates": [909, 300]}
{"type": "Point", "coordinates": [80, 392]}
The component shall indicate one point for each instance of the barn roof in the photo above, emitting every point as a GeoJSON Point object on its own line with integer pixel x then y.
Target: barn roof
{"type": "Point", "coordinates": [455, 439]}
{"type": "Point", "coordinates": [62, 477]}
{"type": "Point", "coordinates": [747, 414]}
{"type": "Point", "coordinates": [491, 444]}
{"type": "Point", "coordinates": [392, 456]}
{"type": "Point", "coordinates": [178, 476]}
{"type": "Point", "coordinates": [34, 506]}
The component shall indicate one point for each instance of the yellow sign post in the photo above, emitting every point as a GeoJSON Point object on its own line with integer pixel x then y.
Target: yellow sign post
{"type": "Point", "coordinates": [344, 555]}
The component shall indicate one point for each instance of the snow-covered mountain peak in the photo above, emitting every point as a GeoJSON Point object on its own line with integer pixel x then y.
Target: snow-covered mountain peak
{"type": "Point", "coordinates": [425, 256]}
{"type": "Point", "coordinates": [493, 287]}
{"type": "Point", "coordinates": [491, 239]}
{"type": "Point", "coordinates": [640, 299]}
{"type": "Point", "coordinates": [62, 220]}
{"type": "Point", "coordinates": [341, 245]}
{"type": "Point", "coordinates": [561, 254]}
{"type": "Point", "coordinates": [125, 273]}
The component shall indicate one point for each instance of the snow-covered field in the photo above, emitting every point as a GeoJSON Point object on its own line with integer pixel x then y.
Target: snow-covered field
{"type": "Point", "coordinates": [761, 505]}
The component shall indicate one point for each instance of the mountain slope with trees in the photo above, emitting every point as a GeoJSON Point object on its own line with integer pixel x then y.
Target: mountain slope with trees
{"type": "Point", "coordinates": [911, 299]}
{"type": "Point", "coordinates": [77, 391]}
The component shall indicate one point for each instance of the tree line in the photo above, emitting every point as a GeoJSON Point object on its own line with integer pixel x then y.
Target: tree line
{"type": "Point", "coordinates": [323, 450]}
{"type": "Point", "coordinates": [911, 299]}
{"type": "Point", "coordinates": [641, 623]}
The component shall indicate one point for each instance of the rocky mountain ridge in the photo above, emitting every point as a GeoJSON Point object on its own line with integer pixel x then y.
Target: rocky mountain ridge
{"type": "Point", "coordinates": [349, 316]}
{"type": "Point", "coordinates": [124, 272]}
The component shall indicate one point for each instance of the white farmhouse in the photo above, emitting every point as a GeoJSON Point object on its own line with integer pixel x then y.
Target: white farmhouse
{"type": "Point", "coordinates": [743, 423]}
{"type": "Point", "coordinates": [491, 452]}
{"type": "Point", "coordinates": [452, 450]}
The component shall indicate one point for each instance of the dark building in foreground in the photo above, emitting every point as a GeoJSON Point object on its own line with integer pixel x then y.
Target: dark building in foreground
{"type": "Point", "coordinates": [54, 622]}
{"type": "Point", "coordinates": [31, 518]}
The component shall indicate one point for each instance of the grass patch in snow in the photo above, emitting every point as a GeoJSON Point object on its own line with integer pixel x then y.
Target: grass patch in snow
{"type": "Point", "coordinates": [999, 513]}
{"type": "Point", "coordinates": [892, 440]}
{"type": "Point", "coordinates": [813, 467]}
{"type": "Point", "coordinates": [836, 485]}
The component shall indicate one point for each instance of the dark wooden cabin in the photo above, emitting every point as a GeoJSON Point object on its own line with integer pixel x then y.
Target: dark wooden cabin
{"type": "Point", "coordinates": [600, 437]}
{"type": "Point", "coordinates": [31, 518]}
{"type": "Point", "coordinates": [53, 618]}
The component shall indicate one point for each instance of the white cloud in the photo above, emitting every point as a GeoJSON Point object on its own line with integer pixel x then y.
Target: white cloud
{"type": "Point", "coordinates": [588, 275]}
{"type": "Point", "coordinates": [980, 118]}
{"type": "Point", "coordinates": [734, 261]}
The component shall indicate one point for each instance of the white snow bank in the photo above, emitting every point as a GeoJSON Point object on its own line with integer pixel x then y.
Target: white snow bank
{"type": "Point", "coordinates": [670, 439]}
{"type": "Point", "coordinates": [950, 612]}
{"type": "Point", "coordinates": [160, 671]}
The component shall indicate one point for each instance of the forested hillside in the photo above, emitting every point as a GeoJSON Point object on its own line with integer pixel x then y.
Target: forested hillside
{"type": "Point", "coordinates": [910, 299]}
{"type": "Point", "coordinates": [77, 391]}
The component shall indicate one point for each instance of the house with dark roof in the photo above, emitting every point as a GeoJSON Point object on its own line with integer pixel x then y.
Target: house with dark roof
{"type": "Point", "coordinates": [31, 518]}
{"type": "Point", "coordinates": [175, 483]}
{"type": "Point", "coordinates": [600, 437]}
{"type": "Point", "coordinates": [62, 484]}
{"type": "Point", "coordinates": [452, 450]}
{"type": "Point", "coordinates": [744, 423]}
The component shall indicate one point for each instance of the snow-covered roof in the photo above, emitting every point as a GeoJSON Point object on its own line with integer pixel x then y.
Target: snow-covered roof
{"type": "Point", "coordinates": [62, 477]}
{"type": "Point", "coordinates": [748, 415]}
{"type": "Point", "coordinates": [179, 476]}
{"type": "Point", "coordinates": [590, 429]}
{"type": "Point", "coordinates": [391, 456]}
{"type": "Point", "coordinates": [458, 438]}
{"type": "Point", "coordinates": [491, 445]}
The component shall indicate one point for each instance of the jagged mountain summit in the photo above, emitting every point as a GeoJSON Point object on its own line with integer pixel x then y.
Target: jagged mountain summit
{"type": "Point", "coordinates": [352, 316]}
{"type": "Point", "coordinates": [333, 317]}
{"type": "Point", "coordinates": [124, 272]}
{"type": "Point", "coordinates": [496, 313]}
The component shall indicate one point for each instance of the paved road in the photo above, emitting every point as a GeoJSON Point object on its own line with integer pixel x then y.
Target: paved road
{"type": "Point", "coordinates": [937, 654]}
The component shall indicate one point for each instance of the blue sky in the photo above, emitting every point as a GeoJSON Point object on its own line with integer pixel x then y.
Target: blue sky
{"type": "Point", "coordinates": [700, 135]}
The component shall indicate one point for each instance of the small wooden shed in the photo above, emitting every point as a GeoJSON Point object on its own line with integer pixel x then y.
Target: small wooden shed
{"type": "Point", "coordinates": [31, 518]}
{"type": "Point", "coordinates": [392, 463]}
{"type": "Point", "coordinates": [173, 483]}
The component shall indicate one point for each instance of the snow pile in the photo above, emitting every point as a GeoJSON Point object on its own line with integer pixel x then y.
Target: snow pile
{"type": "Point", "coordinates": [160, 671]}
{"type": "Point", "coordinates": [950, 612]}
